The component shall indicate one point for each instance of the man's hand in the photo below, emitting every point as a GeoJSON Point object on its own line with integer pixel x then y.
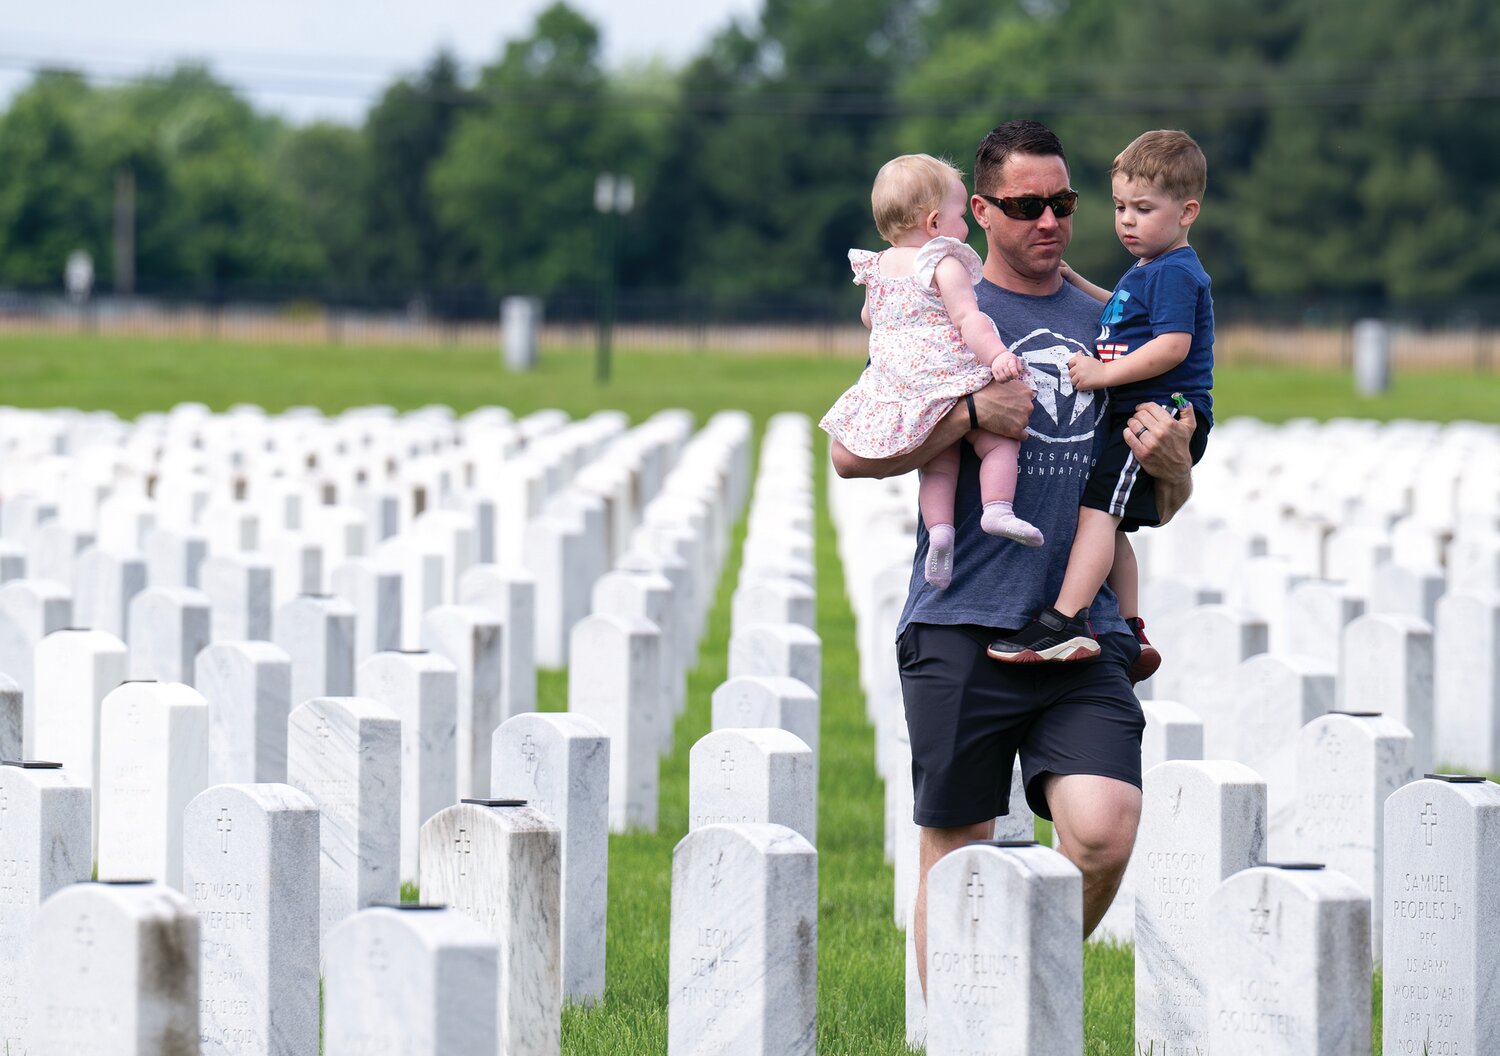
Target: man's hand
{"type": "Point", "coordinates": [1160, 444]}
{"type": "Point", "coordinates": [1086, 373]}
{"type": "Point", "coordinates": [1004, 408]}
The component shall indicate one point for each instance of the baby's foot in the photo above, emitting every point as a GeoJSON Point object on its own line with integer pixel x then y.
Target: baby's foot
{"type": "Point", "coordinates": [939, 570]}
{"type": "Point", "coordinates": [999, 519]}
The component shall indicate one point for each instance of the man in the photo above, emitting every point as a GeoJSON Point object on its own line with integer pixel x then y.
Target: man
{"type": "Point", "coordinates": [1077, 727]}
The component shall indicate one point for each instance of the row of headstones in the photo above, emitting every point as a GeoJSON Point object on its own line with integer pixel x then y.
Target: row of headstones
{"type": "Point", "coordinates": [1352, 762]}
{"type": "Point", "coordinates": [783, 777]}
{"type": "Point", "coordinates": [1234, 955]}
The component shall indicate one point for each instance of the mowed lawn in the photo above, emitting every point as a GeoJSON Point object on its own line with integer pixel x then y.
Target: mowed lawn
{"type": "Point", "coordinates": [860, 954]}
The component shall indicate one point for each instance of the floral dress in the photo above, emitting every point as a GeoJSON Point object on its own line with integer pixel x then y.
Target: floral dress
{"type": "Point", "coordinates": [919, 365]}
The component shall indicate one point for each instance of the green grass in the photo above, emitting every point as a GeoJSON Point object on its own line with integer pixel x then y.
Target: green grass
{"type": "Point", "coordinates": [860, 954]}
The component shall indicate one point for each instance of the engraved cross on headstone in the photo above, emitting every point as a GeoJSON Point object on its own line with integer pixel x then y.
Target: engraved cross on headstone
{"type": "Point", "coordinates": [465, 848]}
{"type": "Point", "coordinates": [83, 934]}
{"type": "Point", "coordinates": [225, 825]}
{"type": "Point", "coordinates": [379, 959]}
{"type": "Point", "coordinates": [1260, 917]}
{"type": "Point", "coordinates": [726, 766]}
{"type": "Point", "coordinates": [324, 733]}
{"type": "Point", "coordinates": [976, 894]}
{"type": "Point", "coordinates": [1429, 821]}
{"type": "Point", "coordinates": [528, 753]}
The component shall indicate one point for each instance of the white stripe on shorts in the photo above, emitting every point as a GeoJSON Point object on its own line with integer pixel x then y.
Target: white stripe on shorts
{"type": "Point", "coordinates": [1124, 485]}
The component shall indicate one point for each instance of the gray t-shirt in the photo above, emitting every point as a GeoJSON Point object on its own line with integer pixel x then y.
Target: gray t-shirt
{"type": "Point", "coordinates": [998, 583]}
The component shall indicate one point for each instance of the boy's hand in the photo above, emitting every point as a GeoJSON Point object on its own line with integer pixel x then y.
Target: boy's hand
{"type": "Point", "coordinates": [1086, 373]}
{"type": "Point", "coordinates": [1067, 273]}
{"type": "Point", "coordinates": [1006, 367]}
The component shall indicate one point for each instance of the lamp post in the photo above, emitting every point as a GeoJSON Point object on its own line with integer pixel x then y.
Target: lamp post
{"type": "Point", "coordinates": [614, 197]}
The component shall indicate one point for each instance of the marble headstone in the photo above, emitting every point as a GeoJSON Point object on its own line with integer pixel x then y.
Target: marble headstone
{"type": "Point", "coordinates": [1387, 667]}
{"type": "Point", "coordinates": [317, 632]}
{"type": "Point", "coordinates": [742, 969]}
{"type": "Point", "coordinates": [510, 596]}
{"type": "Point", "coordinates": [75, 671]}
{"type": "Point", "coordinates": [115, 971]}
{"type": "Point", "coordinates": [374, 592]}
{"type": "Point", "coordinates": [472, 640]}
{"type": "Point", "coordinates": [153, 759]}
{"type": "Point", "coordinates": [738, 776]}
{"type": "Point", "coordinates": [1289, 963]}
{"type": "Point", "coordinates": [1003, 958]}
{"type": "Point", "coordinates": [499, 862]}
{"type": "Point", "coordinates": [1440, 986]}
{"type": "Point", "coordinates": [785, 649]}
{"type": "Point", "coordinates": [413, 980]}
{"type": "Point", "coordinates": [1467, 683]}
{"type": "Point", "coordinates": [248, 686]}
{"type": "Point", "coordinates": [45, 845]}
{"type": "Point", "coordinates": [421, 689]}
{"type": "Point", "coordinates": [559, 764]}
{"type": "Point", "coordinates": [239, 588]}
{"type": "Point", "coordinates": [250, 869]}
{"type": "Point", "coordinates": [768, 700]}
{"type": "Point", "coordinates": [345, 754]}
{"type": "Point", "coordinates": [168, 627]}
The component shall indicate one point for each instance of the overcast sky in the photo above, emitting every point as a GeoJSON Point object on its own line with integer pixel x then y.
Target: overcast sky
{"type": "Point", "coordinates": [316, 58]}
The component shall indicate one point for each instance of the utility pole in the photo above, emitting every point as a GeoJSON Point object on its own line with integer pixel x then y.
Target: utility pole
{"type": "Point", "coordinates": [614, 197]}
{"type": "Point", "coordinates": [124, 246]}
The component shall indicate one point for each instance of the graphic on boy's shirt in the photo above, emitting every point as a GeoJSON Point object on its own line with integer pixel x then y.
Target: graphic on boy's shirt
{"type": "Point", "coordinates": [1113, 312]}
{"type": "Point", "coordinates": [1046, 354]}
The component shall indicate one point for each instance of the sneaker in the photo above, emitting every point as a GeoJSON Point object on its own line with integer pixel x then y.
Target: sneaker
{"type": "Point", "coordinates": [1146, 664]}
{"type": "Point", "coordinates": [1050, 637]}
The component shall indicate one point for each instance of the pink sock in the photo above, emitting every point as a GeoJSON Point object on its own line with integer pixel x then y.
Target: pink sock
{"type": "Point", "coordinates": [939, 569]}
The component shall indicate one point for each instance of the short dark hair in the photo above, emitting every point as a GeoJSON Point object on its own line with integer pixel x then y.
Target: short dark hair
{"type": "Point", "coordinates": [1013, 137]}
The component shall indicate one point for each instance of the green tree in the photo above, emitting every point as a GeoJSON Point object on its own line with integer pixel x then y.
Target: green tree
{"type": "Point", "coordinates": [323, 169]}
{"type": "Point", "coordinates": [408, 131]}
{"type": "Point", "coordinates": [52, 200]}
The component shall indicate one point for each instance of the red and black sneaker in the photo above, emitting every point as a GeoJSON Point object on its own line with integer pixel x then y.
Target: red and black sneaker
{"type": "Point", "coordinates": [1145, 665]}
{"type": "Point", "coordinates": [1051, 637]}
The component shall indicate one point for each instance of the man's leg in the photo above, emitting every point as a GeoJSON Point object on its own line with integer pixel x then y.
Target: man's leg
{"type": "Point", "coordinates": [933, 844]}
{"type": "Point", "coordinates": [1096, 819]}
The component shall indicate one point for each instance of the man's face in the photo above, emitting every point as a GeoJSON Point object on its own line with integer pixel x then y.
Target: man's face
{"type": "Point", "coordinates": [1031, 249]}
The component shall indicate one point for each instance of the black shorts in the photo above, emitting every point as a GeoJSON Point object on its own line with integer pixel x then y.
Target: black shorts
{"type": "Point", "coordinates": [1117, 484]}
{"type": "Point", "coordinates": [969, 715]}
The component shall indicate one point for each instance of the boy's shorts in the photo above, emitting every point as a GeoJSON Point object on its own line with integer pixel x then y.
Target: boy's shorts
{"type": "Point", "coordinates": [1117, 484]}
{"type": "Point", "coordinates": [968, 717]}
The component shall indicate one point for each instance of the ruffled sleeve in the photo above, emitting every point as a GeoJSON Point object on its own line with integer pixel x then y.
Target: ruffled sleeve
{"type": "Point", "coordinates": [929, 256]}
{"type": "Point", "coordinates": [862, 261]}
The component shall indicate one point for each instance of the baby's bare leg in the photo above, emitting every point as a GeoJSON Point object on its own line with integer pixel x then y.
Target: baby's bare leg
{"type": "Point", "coordinates": [1089, 562]}
{"type": "Point", "coordinates": [997, 488]}
{"type": "Point", "coordinates": [935, 493]}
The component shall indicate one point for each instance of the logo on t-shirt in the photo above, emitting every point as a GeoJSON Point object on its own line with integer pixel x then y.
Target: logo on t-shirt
{"type": "Point", "coordinates": [1061, 415]}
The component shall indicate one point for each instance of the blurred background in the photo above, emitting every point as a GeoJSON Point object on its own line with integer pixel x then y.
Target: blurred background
{"type": "Point", "coordinates": [697, 171]}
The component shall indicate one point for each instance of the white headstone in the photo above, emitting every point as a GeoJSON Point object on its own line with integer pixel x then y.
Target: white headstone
{"type": "Point", "coordinates": [421, 689]}
{"type": "Point", "coordinates": [742, 971]}
{"type": "Point", "coordinates": [317, 632]}
{"type": "Point", "coordinates": [175, 558]}
{"type": "Point", "coordinates": [648, 595]}
{"type": "Point", "coordinates": [757, 776]}
{"type": "Point", "coordinates": [248, 686]}
{"type": "Point", "coordinates": [115, 971]}
{"type": "Point", "coordinates": [1466, 656]}
{"type": "Point", "coordinates": [104, 585]}
{"type": "Point", "coordinates": [786, 649]}
{"type": "Point", "coordinates": [499, 862]}
{"type": "Point", "coordinates": [1387, 667]}
{"type": "Point", "coordinates": [559, 764]}
{"type": "Point", "coordinates": [1004, 963]}
{"type": "Point", "coordinates": [1201, 647]}
{"type": "Point", "coordinates": [616, 686]}
{"type": "Point", "coordinates": [75, 671]}
{"type": "Point", "coordinates": [510, 596]}
{"type": "Point", "coordinates": [1347, 764]}
{"type": "Point", "coordinates": [769, 700]}
{"type": "Point", "coordinates": [1272, 698]}
{"type": "Point", "coordinates": [1317, 611]}
{"type": "Point", "coordinates": [250, 869]}
{"type": "Point", "coordinates": [1440, 990]}
{"type": "Point", "coordinates": [773, 601]}
{"type": "Point", "coordinates": [345, 754]}
{"type": "Point", "coordinates": [472, 640]}
{"type": "Point", "coordinates": [414, 980]}
{"type": "Point", "coordinates": [153, 759]}
{"type": "Point", "coordinates": [30, 609]}
{"type": "Point", "coordinates": [239, 588]}
{"type": "Point", "coordinates": [46, 845]}
{"type": "Point", "coordinates": [169, 625]}
{"type": "Point", "coordinates": [1200, 823]}
{"type": "Point", "coordinates": [1289, 963]}
{"type": "Point", "coordinates": [374, 591]}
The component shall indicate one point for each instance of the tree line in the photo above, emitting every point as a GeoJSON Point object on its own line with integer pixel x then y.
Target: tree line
{"type": "Point", "coordinates": [1351, 152]}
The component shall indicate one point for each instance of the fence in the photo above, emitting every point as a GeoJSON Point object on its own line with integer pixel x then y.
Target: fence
{"type": "Point", "coordinates": [1473, 348]}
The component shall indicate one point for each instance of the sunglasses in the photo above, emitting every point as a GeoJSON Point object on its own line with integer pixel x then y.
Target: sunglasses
{"type": "Point", "coordinates": [1029, 207]}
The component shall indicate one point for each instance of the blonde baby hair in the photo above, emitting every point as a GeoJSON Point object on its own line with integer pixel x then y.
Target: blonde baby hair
{"type": "Point", "coordinates": [906, 190]}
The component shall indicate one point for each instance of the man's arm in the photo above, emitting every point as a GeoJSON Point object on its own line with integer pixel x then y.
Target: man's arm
{"type": "Point", "coordinates": [1162, 450]}
{"type": "Point", "coordinates": [1003, 408]}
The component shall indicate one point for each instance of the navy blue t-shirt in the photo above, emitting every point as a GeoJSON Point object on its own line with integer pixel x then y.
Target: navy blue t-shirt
{"type": "Point", "coordinates": [998, 583]}
{"type": "Point", "coordinates": [1169, 295]}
